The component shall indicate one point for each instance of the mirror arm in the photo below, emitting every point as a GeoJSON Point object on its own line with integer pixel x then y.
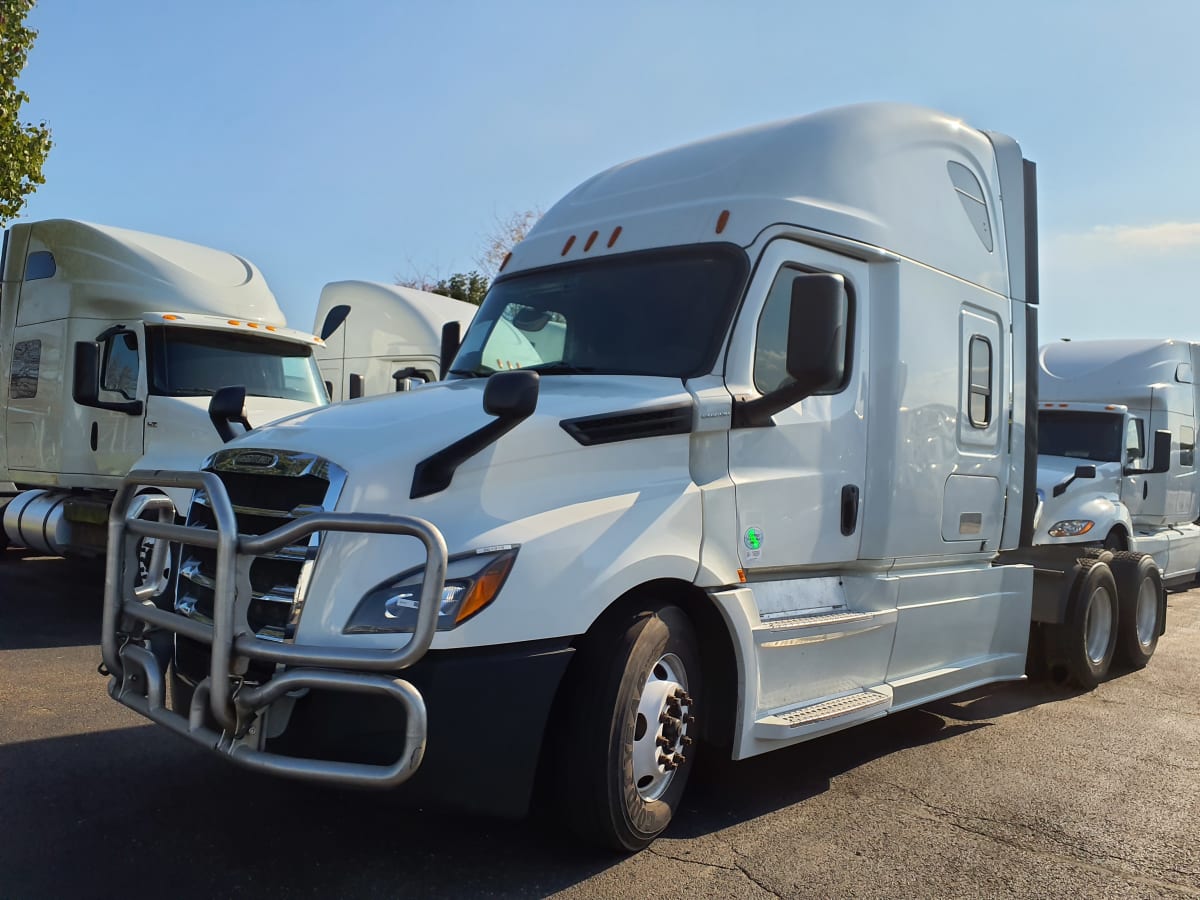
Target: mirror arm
{"type": "Point", "coordinates": [759, 412]}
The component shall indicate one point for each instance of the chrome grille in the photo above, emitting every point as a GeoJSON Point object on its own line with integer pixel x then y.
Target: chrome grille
{"type": "Point", "coordinates": [268, 488]}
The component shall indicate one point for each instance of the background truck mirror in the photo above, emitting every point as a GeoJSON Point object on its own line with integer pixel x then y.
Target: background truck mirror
{"type": "Point", "coordinates": [1162, 453]}
{"type": "Point", "coordinates": [333, 320]}
{"type": "Point", "coordinates": [451, 341]}
{"type": "Point", "coordinates": [85, 385]}
{"type": "Point", "coordinates": [228, 405]}
{"type": "Point", "coordinates": [1080, 472]}
{"type": "Point", "coordinates": [86, 388]}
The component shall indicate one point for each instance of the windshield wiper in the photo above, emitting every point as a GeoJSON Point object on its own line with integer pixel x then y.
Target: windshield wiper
{"type": "Point", "coordinates": [468, 373]}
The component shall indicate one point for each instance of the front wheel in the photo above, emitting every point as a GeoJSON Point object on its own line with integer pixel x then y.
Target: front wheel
{"type": "Point", "coordinates": [632, 723]}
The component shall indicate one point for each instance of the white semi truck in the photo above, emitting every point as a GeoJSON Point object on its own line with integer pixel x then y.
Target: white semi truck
{"type": "Point", "coordinates": [382, 338]}
{"type": "Point", "coordinates": [774, 481]}
{"type": "Point", "coordinates": [112, 345]}
{"type": "Point", "coordinates": [1116, 449]}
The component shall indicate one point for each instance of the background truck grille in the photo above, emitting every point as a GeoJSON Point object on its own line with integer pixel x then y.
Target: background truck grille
{"type": "Point", "coordinates": [268, 488]}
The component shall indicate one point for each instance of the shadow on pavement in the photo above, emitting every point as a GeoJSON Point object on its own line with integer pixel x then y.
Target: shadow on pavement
{"type": "Point", "coordinates": [48, 602]}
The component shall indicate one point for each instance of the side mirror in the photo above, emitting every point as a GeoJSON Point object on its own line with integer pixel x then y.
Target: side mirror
{"type": "Point", "coordinates": [400, 376]}
{"type": "Point", "coordinates": [818, 322]}
{"type": "Point", "coordinates": [1080, 472]}
{"type": "Point", "coordinates": [86, 388]}
{"type": "Point", "coordinates": [333, 320]}
{"type": "Point", "coordinates": [451, 341]}
{"type": "Point", "coordinates": [228, 405]}
{"type": "Point", "coordinates": [85, 385]}
{"type": "Point", "coordinates": [1162, 457]}
{"type": "Point", "coordinates": [511, 395]}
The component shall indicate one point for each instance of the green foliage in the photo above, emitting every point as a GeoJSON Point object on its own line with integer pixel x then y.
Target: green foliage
{"type": "Point", "coordinates": [469, 286]}
{"type": "Point", "coordinates": [23, 146]}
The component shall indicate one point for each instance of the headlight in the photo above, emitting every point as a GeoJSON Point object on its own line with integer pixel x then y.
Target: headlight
{"type": "Point", "coordinates": [472, 582]}
{"type": "Point", "coordinates": [1071, 527]}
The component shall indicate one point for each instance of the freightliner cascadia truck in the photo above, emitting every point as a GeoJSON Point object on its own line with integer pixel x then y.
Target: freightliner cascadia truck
{"type": "Point", "coordinates": [112, 345]}
{"type": "Point", "coordinates": [776, 479]}
{"type": "Point", "coordinates": [1117, 448]}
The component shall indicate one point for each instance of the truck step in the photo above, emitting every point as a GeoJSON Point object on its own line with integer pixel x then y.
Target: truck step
{"type": "Point", "coordinates": [796, 631]}
{"type": "Point", "coordinates": [845, 710]}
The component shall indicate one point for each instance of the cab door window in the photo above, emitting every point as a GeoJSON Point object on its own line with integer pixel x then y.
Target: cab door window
{"type": "Point", "coordinates": [119, 371]}
{"type": "Point", "coordinates": [1135, 441]}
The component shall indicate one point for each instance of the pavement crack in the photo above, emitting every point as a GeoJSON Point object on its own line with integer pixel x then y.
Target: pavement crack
{"type": "Point", "coordinates": [736, 867]}
{"type": "Point", "coordinates": [1078, 857]}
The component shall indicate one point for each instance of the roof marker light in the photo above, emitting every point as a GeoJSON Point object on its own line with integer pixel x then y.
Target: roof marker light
{"type": "Point", "coordinates": [591, 240]}
{"type": "Point", "coordinates": [722, 220]}
{"type": "Point", "coordinates": [272, 328]}
{"type": "Point", "coordinates": [567, 245]}
{"type": "Point", "coordinates": [616, 234]}
{"type": "Point", "coordinates": [234, 322]}
{"type": "Point", "coordinates": [170, 317]}
{"type": "Point", "coordinates": [507, 257]}
{"type": "Point", "coordinates": [252, 324]}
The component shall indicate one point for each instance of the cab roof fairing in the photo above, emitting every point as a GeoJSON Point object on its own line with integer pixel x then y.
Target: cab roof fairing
{"type": "Point", "coordinates": [872, 173]}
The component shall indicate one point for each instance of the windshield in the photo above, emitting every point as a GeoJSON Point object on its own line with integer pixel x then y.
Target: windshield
{"type": "Point", "coordinates": [1080, 435]}
{"type": "Point", "coordinates": [195, 362]}
{"type": "Point", "coordinates": [663, 312]}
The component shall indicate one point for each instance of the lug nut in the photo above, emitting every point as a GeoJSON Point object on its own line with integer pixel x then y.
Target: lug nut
{"type": "Point", "coordinates": [689, 720]}
{"type": "Point", "coordinates": [686, 741]}
{"type": "Point", "coordinates": [664, 742]}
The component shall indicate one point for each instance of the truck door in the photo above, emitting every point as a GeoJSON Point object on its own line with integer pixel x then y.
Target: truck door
{"type": "Point", "coordinates": [1134, 488]}
{"type": "Point", "coordinates": [798, 482]}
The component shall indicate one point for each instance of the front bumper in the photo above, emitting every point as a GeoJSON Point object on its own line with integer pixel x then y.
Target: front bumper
{"type": "Point", "coordinates": [227, 713]}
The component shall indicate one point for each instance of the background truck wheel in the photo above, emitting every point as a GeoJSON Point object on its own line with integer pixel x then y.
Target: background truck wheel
{"type": "Point", "coordinates": [631, 725]}
{"type": "Point", "coordinates": [1143, 606]}
{"type": "Point", "coordinates": [1083, 645]}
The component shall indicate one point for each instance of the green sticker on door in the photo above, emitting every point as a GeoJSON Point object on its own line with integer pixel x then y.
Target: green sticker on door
{"type": "Point", "coordinates": [753, 539]}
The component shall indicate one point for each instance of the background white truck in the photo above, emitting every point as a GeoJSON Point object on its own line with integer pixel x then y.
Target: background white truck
{"type": "Point", "coordinates": [774, 480]}
{"type": "Point", "coordinates": [382, 338]}
{"type": "Point", "coordinates": [112, 344]}
{"type": "Point", "coordinates": [1116, 449]}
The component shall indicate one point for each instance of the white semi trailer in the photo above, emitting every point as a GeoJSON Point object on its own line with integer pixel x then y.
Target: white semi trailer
{"type": "Point", "coordinates": [112, 344]}
{"type": "Point", "coordinates": [775, 481]}
{"type": "Point", "coordinates": [1116, 449]}
{"type": "Point", "coordinates": [382, 338]}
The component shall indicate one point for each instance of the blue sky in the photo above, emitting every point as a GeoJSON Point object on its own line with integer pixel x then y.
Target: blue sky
{"type": "Point", "coordinates": [367, 139]}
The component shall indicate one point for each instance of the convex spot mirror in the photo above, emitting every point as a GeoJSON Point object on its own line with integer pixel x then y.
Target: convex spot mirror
{"type": "Point", "coordinates": [511, 394]}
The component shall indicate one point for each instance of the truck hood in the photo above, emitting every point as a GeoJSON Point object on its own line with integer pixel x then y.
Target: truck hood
{"type": "Point", "coordinates": [393, 432]}
{"type": "Point", "coordinates": [1053, 470]}
{"type": "Point", "coordinates": [598, 514]}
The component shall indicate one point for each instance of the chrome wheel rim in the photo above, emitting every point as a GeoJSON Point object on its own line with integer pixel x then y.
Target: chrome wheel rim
{"type": "Point", "coordinates": [1097, 627]}
{"type": "Point", "coordinates": [660, 729]}
{"type": "Point", "coordinates": [1146, 614]}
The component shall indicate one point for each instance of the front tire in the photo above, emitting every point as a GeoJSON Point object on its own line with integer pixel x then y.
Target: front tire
{"type": "Point", "coordinates": [1143, 607]}
{"type": "Point", "coordinates": [631, 729]}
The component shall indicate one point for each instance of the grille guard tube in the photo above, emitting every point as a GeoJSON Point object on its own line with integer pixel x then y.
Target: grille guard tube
{"type": "Point", "coordinates": [138, 680]}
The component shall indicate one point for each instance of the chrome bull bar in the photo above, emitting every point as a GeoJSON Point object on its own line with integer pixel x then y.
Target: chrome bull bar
{"type": "Point", "coordinates": [138, 678]}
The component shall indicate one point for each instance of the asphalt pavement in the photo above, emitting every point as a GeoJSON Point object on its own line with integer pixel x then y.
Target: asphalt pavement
{"type": "Point", "coordinates": [1019, 790]}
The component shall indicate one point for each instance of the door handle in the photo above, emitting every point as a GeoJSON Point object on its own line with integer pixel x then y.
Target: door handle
{"type": "Point", "coordinates": [849, 509]}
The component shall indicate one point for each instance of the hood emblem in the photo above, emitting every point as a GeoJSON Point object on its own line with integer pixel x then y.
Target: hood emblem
{"type": "Point", "coordinates": [256, 459]}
